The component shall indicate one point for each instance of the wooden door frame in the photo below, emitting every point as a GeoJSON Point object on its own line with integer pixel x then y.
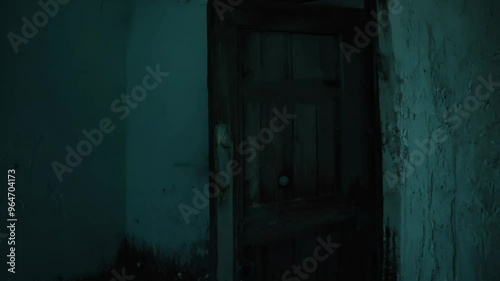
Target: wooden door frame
{"type": "Point", "coordinates": [226, 107]}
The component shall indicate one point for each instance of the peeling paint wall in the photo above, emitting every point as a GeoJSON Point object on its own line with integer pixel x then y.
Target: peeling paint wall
{"type": "Point", "coordinates": [441, 201]}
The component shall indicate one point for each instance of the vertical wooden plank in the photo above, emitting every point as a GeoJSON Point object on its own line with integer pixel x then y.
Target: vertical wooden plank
{"type": "Point", "coordinates": [350, 121]}
{"type": "Point", "coordinates": [258, 262]}
{"type": "Point", "coordinates": [275, 156]}
{"type": "Point", "coordinates": [356, 170]}
{"type": "Point", "coordinates": [305, 59]}
{"type": "Point", "coordinates": [354, 121]}
{"type": "Point", "coordinates": [251, 56]}
{"type": "Point", "coordinates": [224, 80]}
{"type": "Point", "coordinates": [237, 122]}
{"type": "Point", "coordinates": [275, 66]}
{"type": "Point", "coordinates": [305, 151]}
{"type": "Point", "coordinates": [275, 56]}
{"type": "Point", "coordinates": [329, 56]}
{"type": "Point", "coordinates": [328, 133]}
{"type": "Point", "coordinates": [252, 160]}
{"type": "Point", "coordinates": [251, 72]}
{"type": "Point", "coordinates": [305, 64]}
{"type": "Point", "coordinates": [329, 268]}
{"type": "Point", "coordinates": [305, 179]}
{"type": "Point", "coordinates": [304, 246]}
{"type": "Point", "coordinates": [328, 177]}
{"type": "Point", "coordinates": [315, 56]}
{"type": "Point", "coordinates": [338, 147]}
{"type": "Point", "coordinates": [327, 142]}
{"type": "Point", "coordinates": [376, 149]}
{"type": "Point", "coordinates": [251, 64]}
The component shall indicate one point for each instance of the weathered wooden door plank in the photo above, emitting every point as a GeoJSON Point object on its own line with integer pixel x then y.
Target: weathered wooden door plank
{"type": "Point", "coordinates": [268, 222]}
{"type": "Point", "coordinates": [288, 17]}
{"type": "Point", "coordinates": [302, 90]}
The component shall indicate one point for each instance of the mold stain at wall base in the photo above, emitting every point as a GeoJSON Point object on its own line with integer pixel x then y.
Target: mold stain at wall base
{"type": "Point", "coordinates": [146, 262]}
{"type": "Point", "coordinates": [391, 255]}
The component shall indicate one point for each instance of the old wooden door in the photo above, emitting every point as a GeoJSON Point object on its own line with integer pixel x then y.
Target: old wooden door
{"type": "Point", "coordinates": [292, 146]}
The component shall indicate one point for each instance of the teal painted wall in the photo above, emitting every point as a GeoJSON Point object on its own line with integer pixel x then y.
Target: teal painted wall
{"type": "Point", "coordinates": [443, 209]}
{"type": "Point", "coordinates": [167, 134]}
{"type": "Point", "coordinates": [65, 79]}
{"type": "Point", "coordinates": [59, 83]}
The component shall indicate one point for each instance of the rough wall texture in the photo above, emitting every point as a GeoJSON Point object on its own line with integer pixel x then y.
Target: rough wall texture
{"type": "Point", "coordinates": [441, 197]}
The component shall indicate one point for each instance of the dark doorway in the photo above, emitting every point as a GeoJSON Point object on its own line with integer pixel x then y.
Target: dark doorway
{"type": "Point", "coordinates": [293, 144]}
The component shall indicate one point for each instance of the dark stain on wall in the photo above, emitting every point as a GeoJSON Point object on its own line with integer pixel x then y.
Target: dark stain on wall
{"type": "Point", "coordinates": [138, 260]}
{"type": "Point", "coordinates": [391, 255]}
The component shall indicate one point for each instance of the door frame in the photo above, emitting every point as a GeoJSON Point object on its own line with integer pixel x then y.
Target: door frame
{"type": "Point", "coordinates": [226, 110]}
